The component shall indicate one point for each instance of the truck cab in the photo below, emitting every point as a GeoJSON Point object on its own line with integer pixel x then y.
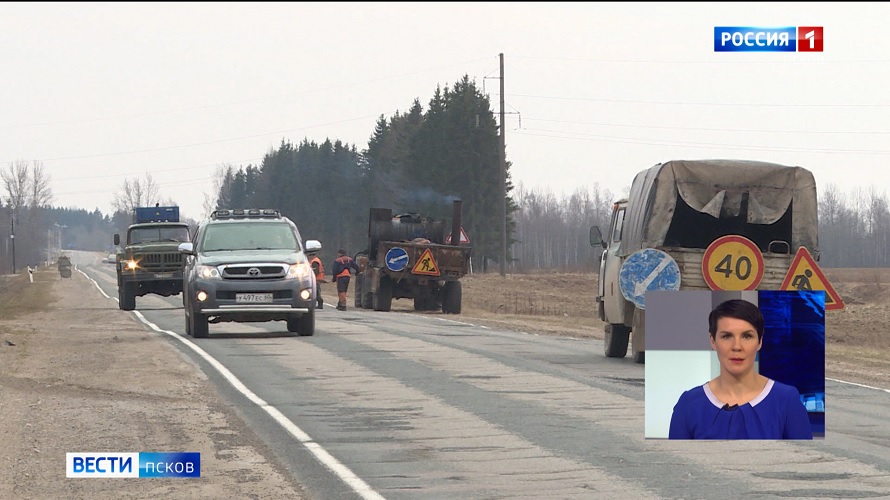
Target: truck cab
{"type": "Point", "coordinates": [149, 261]}
{"type": "Point", "coordinates": [681, 208]}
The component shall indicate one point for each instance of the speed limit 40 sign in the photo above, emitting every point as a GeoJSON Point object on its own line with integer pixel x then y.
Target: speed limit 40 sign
{"type": "Point", "coordinates": [732, 263]}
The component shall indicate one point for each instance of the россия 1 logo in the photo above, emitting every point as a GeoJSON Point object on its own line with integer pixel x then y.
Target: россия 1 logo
{"type": "Point", "coordinates": [784, 39]}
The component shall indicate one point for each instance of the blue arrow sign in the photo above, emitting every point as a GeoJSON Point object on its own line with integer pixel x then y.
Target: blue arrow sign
{"type": "Point", "coordinates": [396, 259]}
{"type": "Point", "coordinates": [647, 269]}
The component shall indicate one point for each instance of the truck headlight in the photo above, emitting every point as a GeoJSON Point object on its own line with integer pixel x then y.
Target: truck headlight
{"type": "Point", "coordinates": [299, 271]}
{"type": "Point", "coordinates": [207, 272]}
{"type": "Point", "coordinates": [131, 264]}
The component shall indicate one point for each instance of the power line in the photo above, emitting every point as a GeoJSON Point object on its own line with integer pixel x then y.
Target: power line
{"type": "Point", "coordinates": [164, 148]}
{"type": "Point", "coordinates": [666, 127]}
{"type": "Point", "coordinates": [676, 103]}
{"type": "Point", "coordinates": [241, 101]}
{"type": "Point", "coordinates": [177, 182]}
{"type": "Point", "coordinates": [172, 169]}
{"type": "Point", "coordinates": [741, 147]}
{"type": "Point", "coordinates": [797, 60]}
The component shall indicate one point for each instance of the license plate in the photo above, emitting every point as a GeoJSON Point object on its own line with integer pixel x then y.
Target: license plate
{"type": "Point", "coordinates": [163, 275]}
{"type": "Point", "coordinates": [252, 298]}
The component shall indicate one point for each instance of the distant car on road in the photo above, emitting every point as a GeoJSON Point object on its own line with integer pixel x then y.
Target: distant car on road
{"type": "Point", "coordinates": [111, 259]}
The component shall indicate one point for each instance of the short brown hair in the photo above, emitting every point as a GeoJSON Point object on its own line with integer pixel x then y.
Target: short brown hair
{"type": "Point", "coordinates": [738, 309]}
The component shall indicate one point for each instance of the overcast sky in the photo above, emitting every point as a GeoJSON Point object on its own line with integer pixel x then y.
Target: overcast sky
{"type": "Point", "coordinates": [103, 92]}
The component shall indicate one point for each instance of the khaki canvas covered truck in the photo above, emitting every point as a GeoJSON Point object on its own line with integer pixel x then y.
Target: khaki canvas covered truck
{"type": "Point", "coordinates": [681, 208]}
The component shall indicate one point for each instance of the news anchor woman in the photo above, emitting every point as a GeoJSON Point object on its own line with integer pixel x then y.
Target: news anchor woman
{"type": "Point", "coordinates": [739, 403]}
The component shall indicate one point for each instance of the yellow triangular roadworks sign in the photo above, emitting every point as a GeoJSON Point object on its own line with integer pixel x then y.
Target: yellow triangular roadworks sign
{"type": "Point", "coordinates": [804, 274]}
{"type": "Point", "coordinates": [426, 265]}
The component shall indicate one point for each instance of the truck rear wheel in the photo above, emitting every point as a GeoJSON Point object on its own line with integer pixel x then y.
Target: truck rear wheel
{"type": "Point", "coordinates": [638, 344]}
{"type": "Point", "coordinates": [615, 340]}
{"type": "Point", "coordinates": [359, 282]}
{"type": "Point", "coordinates": [383, 298]}
{"type": "Point", "coordinates": [365, 290]}
{"type": "Point", "coordinates": [126, 297]}
{"type": "Point", "coordinates": [451, 297]}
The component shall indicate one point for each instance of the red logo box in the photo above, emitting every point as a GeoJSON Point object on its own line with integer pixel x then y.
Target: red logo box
{"type": "Point", "coordinates": [809, 38]}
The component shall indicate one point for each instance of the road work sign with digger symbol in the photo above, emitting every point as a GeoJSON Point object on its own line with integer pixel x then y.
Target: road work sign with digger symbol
{"type": "Point", "coordinates": [804, 274]}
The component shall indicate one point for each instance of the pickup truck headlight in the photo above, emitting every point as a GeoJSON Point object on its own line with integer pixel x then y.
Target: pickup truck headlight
{"type": "Point", "coordinates": [207, 272]}
{"type": "Point", "coordinates": [299, 271]}
{"type": "Point", "coordinates": [130, 265]}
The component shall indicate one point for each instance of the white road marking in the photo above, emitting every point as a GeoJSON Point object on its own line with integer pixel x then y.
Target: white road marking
{"type": "Point", "coordinates": [362, 488]}
{"type": "Point", "coordinates": [462, 323]}
{"type": "Point", "coordinates": [858, 385]}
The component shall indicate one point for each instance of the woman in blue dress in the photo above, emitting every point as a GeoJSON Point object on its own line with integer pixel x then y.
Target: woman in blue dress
{"type": "Point", "coordinates": [739, 403]}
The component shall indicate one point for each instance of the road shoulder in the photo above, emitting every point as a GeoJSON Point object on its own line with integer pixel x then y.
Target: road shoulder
{"type": "Point", "coordinates": [84, 376]}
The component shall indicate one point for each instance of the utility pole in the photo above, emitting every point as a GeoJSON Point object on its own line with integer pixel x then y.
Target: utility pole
{"type": "Point", "coordinates": [12, 237]}
{"type": "Point", "coordinates": [502, 157]}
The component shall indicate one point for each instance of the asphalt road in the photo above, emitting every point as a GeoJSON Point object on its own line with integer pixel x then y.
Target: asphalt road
{"type": "Point", "coordinates": [405, 405]}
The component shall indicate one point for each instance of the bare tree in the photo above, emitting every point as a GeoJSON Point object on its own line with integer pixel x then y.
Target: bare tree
{"type": "Point", "coordinates": [222, 187]}
{"type": "Point", "coordinates": [136, 193]}
{"type": "Point", "coordinates": [17, 184]}
{"type": "Point", "coordinates": [28, 193]}
{"type": "Point", "coordinates": [40, 193]}
{"type": "Point", "coordinates": [878, 216]}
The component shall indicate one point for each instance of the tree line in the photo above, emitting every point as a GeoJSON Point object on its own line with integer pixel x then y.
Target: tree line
{"type": "Point", "coordinates": [552, 231]}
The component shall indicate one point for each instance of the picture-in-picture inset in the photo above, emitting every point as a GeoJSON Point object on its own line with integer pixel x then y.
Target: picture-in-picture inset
{"type": "Point", "coordinates": [735, 364]}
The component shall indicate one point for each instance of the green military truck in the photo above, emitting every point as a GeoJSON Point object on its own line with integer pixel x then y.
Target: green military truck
{"type": "Point", "coordinates": [150, 261]}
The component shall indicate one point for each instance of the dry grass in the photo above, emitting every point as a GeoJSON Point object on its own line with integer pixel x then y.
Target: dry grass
{"type": "Point", "coordinates": [533, 294]}
{"type": "Point", "coordinates": [549, 303]}
{"type": "Point", "coordinates": [564, 304]}
{"type": "Point", "coordinates": [18, 296]}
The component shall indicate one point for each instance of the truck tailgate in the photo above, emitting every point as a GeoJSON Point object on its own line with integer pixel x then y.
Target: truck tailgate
{"type": "Point", "coordinates": [691, 278]}
{"type": "Point", "coordinates": [452, 261]}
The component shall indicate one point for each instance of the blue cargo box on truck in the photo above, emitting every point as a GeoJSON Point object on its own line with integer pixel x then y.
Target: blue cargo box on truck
{"type": "Point", "coordinates": [156, 214]}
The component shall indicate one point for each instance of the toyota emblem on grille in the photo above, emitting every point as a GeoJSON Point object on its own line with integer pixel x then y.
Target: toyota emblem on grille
{"type": "Point", "coordinates": [253, 271]}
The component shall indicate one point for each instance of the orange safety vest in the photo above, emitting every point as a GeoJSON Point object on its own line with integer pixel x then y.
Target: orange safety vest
{"type": "Point", "coordinates": [344, 259]}
{"type": "Point", "coordinates": [318, 267]}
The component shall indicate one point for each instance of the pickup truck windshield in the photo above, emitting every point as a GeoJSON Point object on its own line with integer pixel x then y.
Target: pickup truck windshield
{"type": "Point", "coordinates": [249, 236]}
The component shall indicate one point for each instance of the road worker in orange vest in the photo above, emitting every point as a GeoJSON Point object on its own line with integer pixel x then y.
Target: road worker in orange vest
{"type": "Point", "coordinates": [318, 268]}
{"type": "Point", "coordinates": [341, 271]}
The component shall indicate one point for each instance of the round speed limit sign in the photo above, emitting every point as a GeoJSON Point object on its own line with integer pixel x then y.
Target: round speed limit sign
{"type": "Point", "coordinates": [732, 263]}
